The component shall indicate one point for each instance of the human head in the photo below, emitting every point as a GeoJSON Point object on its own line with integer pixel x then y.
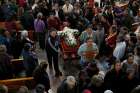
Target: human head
{"type": "Point", "coordinates": [137, 50]}
{"type": "Point", "coordinates": [87, 91]}
{"type": "Point", "coordinates": [108, 91]}
{"type": "Point", "coordinates": [71, 81]}
{"type": "Point", "coordinates": [67, 2]}
{"type": "Point", "coordinates": [39, 15]}
{"type": "Point", "coordinates": [3, 49]}
{"type": "Point", "coordinates": [97, 80]}
{"type": "Point", "coordinates": [89, 29]}
{"type": "Point", "coordinates": [43, 65]}
{"type": "Point", "coordinates": [89, 41]}
{"type": "Point", "coordinates": [24, 34]}
{"type": "Point", "coordinates": [23, 89]}
{"type": "Point", "coordinates": [117, 66]}
{"type": "Point", "coordinates": [3, 89]}
{"type": "Point", "coordinates": [27, 47]}
{"type": "Point", "coordinates": [130, 58]}
{"type": "Point", "coordinates": [40, 88]}
{"type": "Point", "coordinates": [53, 32]}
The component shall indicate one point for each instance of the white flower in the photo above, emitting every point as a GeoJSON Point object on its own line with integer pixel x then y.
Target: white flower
{"type": "Point", "coordinates": [68, 35]}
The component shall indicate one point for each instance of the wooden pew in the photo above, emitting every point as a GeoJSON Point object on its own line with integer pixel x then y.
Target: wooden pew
{"type": "Point", "coordinates": [17, 66]}
{"type": "Point", "coordinates": [14, 84]}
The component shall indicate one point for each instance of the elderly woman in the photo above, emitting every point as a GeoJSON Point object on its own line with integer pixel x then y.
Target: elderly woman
{"type": "Point", "coordinates": [39, 26]}
{"type": "Point", "coordinates": [5, 64]}
{"type": "Point", "coordinates": [68, 85]}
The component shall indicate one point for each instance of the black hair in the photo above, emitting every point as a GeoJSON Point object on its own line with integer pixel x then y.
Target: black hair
{"type": "Point", "coordinates": [88, 39]}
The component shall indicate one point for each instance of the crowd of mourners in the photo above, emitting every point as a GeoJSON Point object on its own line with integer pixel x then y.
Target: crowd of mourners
{"type": "Point", "coordinates": [109, 37]}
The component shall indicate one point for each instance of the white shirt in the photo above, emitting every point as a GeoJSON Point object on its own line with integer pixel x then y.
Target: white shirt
{"type": "Point", "coordinates": [119, 50]}
{"type": "Point", "coordinates": [67, 9]}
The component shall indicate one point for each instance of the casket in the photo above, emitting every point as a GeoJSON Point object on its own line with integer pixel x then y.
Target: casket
{"type": "Point", "coordinates": [68, 49]}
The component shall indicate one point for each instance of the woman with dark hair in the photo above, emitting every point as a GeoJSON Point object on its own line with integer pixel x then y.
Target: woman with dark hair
{"type": "Point", "coordinates": [114, 79]}
{"type": "Point", "coordinates": [41, 76]}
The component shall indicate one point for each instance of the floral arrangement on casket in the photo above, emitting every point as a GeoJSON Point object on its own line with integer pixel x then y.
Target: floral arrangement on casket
{"type": "Point", "coordinates": [69, 36]}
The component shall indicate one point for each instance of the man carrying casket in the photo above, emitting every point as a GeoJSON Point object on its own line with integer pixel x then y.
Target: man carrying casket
{"type": "Point", "coordinates": [88, 51]}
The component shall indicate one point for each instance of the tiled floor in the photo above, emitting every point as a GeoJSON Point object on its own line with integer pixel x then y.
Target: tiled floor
{"type": "Point", "coordinates": [69, 67]}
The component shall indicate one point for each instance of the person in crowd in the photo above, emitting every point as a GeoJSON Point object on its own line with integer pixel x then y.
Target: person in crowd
{"type": "Point", "coordinates": [52, 50]}
{"type": "Point", "coordinates": [10, 24]}
{"type": "Point", "coordinates": [129, 66]}
{"type": "Point", "coordinates": [9, 40]}
{"type": "Point", "coordinates": [131, 44]}
{"type": "Point", "coordinates": [67, 8]}
{"type": "Point", "coordinates": [120, 48]}
{"type": "Point", "coordinates": [3, 40]}
{"type": "Point", "coordinates": [108, 91]}
{"type": "Point", "coordinates": [58, 12]}
{"type": "Point", "coordinates": [30, 59]}
{"type": "Point", "coordinates": [96, 84]}
{"type": "Point", "coordinates": [41, 76]}
{"type": "Point", "coordinates": [5, 64]}
{"type": "Point", "coordinates": [77, 11]}
{"type": "Point", "coordinates": [53, 22]}
{"type": "Point", "coordinates": [68, 85]}
{"type": "Point", "coordinates": [110, 40]}
{"type": "Point", "coordinates": [86, 91]}
{"type": "Point", "coordinates": [27, 20]}
{"type": "Point", "coordinates": [39, 26]}
{"type": "Point", "coordinates": [137, 18]}
{"type": "Point", "coordinates": [23, 89]}
{"type": "Point", "coordinates": [3, 89]}
{"type": "Point", "coordinates": [114, 79]}
{"type": "Point", "coordinates": [85, 76]}
{"type": "Point", "coordinates": [136, 90]}
{"type": "Point", "coordinates": [127, 20]}
{"type": "Point", "coordinates": [100, 36]}
{"type": "Point", "coordinates": [108, 14]}
{"type": "Point", "coordinates": [16, 50]}
{"type": "Point", "coordinates": [88, 51]}
{"type": "Point", "coordinates": [88, 33]}
{"type": "Point", "coordinates": [39, 89]}
{"type": "Point", "coordinates": [137, 58]}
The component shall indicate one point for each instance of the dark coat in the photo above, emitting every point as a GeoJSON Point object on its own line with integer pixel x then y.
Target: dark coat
{"type": "Point", "coordinates": [30, 62]}
{"type": "Point", "coordinates": [115, 81]}
{"type": "Point", "coordinates": [63, 88]}
{"type": "Point", "coordinates": [41, 77]}
{"type": "Point", "coordinates": [5, 66]}
{"type": "Point", "coordinates": [55, 42]}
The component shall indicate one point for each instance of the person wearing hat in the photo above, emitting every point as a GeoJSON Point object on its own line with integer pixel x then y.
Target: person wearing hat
{"type": "Point", "coordinates": [52, 50]}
